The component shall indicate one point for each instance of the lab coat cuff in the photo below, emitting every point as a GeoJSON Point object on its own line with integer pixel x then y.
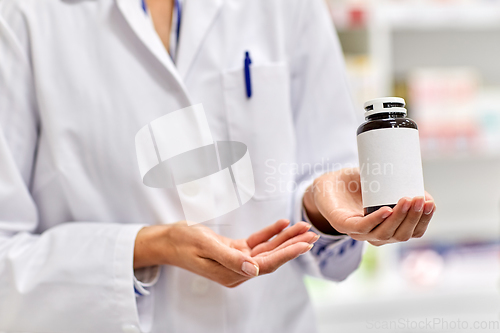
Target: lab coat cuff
{"type": "Point", "coordinates": [338, 260]}
{"type": "Point", "coordinates": [144, 278]}
{"type": "Point", "coordinates": [333, 251]}
{"type": "Point", "coordinates": [123, 265]}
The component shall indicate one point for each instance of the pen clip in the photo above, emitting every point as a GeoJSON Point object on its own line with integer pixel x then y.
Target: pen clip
{"type": "Point", "coordinates": [248, 78]}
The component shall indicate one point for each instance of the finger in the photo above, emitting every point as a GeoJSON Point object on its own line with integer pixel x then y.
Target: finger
{"type": "Point", "coordinates": [270, 263]}
{"type": "Point", "coordinates": [295, 230]}
{"type": "Point", "coordinates": [377, 243]}
{"type": "Point", "coordinates": [424, 223]}
{"type": "Point", "coordinates": [429, 207]}
{"type": "Point", "coordinates": [385, 231]}
{"type": "Point", "coordinates": [405, 230]}
{"type": "Point", "coordinates": [267, 233]}
{"type": "Point", "coordinates": [236, 284]}
{"type": "Point", "coordinates": [428, 197]}
{"type": "Point", "coordinates": [363, 225]}
{"type": "Point", "coordinates": [230, 258]}
{"type": "Point", "coordinates": [216, 272]}
{"type": "Point", "coordinates": [309, 237]}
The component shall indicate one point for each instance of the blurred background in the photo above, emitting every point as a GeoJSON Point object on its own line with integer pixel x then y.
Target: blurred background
{"type": "Point", "coordinates": [443, 57]}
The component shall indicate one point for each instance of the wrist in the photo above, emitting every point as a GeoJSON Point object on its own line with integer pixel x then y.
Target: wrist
{"type": "Point", "coordinates": [149, 249]}
{"type": "Point", "coordinates": [309, 205]}
{"type": "Point", "coordinates": [315, 217]}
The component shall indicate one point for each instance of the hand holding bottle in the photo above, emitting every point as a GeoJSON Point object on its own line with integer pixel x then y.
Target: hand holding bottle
{"type": "Point", "coordinates": [334, 205]}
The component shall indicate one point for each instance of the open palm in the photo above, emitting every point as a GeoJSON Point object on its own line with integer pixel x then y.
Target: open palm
{"type": "Point", "coordinates": [338, 198]}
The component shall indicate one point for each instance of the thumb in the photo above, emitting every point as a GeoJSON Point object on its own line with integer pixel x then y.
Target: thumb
{"type": "Point", "coordinates": [234, 260]}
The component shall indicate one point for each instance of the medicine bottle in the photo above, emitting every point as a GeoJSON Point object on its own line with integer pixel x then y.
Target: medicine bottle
{"type": "Point", "coordinates": [389, 155]}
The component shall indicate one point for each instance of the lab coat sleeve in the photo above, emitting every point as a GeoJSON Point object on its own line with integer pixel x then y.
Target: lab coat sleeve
{"type": "Point", "coordinates": [325, 125]}
{"type": "Point", "coordinates": [333, 257]}
{"type": "Point", "coordinates": [75, 276]}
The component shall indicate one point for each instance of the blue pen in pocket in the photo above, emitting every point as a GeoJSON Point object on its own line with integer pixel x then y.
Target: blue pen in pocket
{"type": "Point", "coordinates": [248, 78]}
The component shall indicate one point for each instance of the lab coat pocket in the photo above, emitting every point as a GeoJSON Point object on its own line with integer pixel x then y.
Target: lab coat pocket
{"type": "Point", "coordinates": [264, 123]}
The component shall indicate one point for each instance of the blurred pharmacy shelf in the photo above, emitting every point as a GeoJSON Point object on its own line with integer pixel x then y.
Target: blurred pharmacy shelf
{"type": "Point", "coordinates": [403, 35]}
{"type": "Point", "coordinates": [467, 193]}
{"type": "Point", "coordinates": [418, 14]}
{"type": "Point", "coordinates": [432, 15]}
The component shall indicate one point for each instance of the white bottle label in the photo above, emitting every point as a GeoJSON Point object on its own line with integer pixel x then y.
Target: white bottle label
{"type": "Point", "coordinates": [390, 166]}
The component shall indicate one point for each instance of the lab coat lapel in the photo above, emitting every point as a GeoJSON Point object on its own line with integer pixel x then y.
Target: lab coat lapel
{"type": "Point", "coordinates": [143, 28]}
{"type": "Point", "coordinates": [197, 18]}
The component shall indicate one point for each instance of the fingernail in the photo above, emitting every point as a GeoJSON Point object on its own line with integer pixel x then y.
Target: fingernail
{"type": "Point", "coordinates": [250, 269]}
{"type": "Point", "coordinates": [314, 240]}
{"type": "Point", "coordinates": [419, 205]}
{"type": "Point", "coordinates": [387, 214]}
{"type": "Point", "coordinates": [428, 208]}
{"type": "Point", "coordinates": [406, 206]}
{"type": "Point", "coordinates": [308, 249]}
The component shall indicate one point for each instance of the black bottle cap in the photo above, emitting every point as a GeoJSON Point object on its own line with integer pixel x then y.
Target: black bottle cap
{"type": "Point", "coordinates": [385, 105]}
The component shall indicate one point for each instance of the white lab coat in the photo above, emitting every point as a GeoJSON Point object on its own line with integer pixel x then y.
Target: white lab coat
{"type": "Point", "coordinates": [78, 79]}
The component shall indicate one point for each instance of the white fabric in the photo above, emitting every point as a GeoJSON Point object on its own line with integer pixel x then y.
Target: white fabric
{"type": "Point", "coordinates": [207, 197]}
{"type": "Point", "coordinates": [78, 80]}
{"type": "Point", "coordinates": [202, 170]}
{"type": "Point", "coordinates": [147, 158]}
{"type": "Point", "coordinates": [181, 131]}
{"type": "Point", "coordinates": [243, 176]}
